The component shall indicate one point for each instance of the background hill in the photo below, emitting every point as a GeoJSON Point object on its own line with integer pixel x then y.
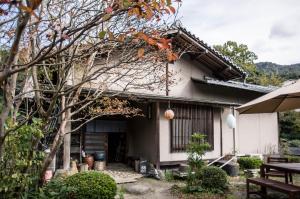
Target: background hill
{"type": "Point", "coordinates": [284, 71]}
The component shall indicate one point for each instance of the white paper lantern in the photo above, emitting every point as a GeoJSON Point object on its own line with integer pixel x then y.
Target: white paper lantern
{"type": "Point", "coordinates": [169, 114]}
{"type": "Point", "coordinates": [231, 121]}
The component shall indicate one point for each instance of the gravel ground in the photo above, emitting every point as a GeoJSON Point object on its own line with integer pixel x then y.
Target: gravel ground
{"type": "Point", "coordinates": [155, 189]}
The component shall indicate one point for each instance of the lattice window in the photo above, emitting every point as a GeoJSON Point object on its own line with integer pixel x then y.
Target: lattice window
{"type": "Point", "coordinates": [190, 119]}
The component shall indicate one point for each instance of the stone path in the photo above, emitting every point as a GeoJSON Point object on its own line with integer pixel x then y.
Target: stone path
{"type": "Point", "coordinates": [121, 173]}
{"type": "Point", "coordinates": [148, 188]}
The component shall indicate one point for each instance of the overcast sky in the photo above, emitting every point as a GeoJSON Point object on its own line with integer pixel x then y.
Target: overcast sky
{"type": "Point", "coordinates": [270, 28]}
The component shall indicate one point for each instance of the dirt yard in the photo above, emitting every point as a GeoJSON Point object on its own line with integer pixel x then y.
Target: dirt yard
{"type": "Point", "coordinates": [147, 188]}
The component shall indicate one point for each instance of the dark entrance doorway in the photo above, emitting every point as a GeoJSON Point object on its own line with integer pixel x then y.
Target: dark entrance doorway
{"type": "Point", "coordinates": [116, 147]}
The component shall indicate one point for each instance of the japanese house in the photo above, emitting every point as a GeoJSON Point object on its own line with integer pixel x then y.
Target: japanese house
{"type": "Point", "coordinates": [207, 89]}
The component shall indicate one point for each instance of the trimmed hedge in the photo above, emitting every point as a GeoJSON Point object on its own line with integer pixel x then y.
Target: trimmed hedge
{"type": "Point", "coordinates": [249, 162]}
{"type": "Point", "coordinates": [92, 185]}
{"type": "Point", "coordinates": [214, 179]}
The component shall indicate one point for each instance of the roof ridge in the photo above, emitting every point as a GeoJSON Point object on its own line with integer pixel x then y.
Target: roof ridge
{"type": "Point", "coordinates": [178, 25]}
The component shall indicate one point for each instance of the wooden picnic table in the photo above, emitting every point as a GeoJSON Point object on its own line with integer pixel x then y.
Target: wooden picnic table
{"type": "Point", "coordinates": [293, 168]}
{"type": "Point", "coordinates": [288, 168]}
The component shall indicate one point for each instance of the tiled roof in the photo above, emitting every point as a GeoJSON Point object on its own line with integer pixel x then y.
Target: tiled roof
{"type": "Point", "coordinates": [227, 60]}
{"type": "Point", "coordinates": [235, 84]}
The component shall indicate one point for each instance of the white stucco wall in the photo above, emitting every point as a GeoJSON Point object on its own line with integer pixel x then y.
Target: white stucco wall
{"type": "Point", "coordinates": [255, 133]}
{"type": "Point", "coordinates": [165, 144]}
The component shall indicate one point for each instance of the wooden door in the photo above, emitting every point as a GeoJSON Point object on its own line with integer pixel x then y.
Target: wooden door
{"type": "Point", "coordinates": [95, 142]}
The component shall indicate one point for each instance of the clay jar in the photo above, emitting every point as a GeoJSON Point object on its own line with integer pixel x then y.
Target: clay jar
{"type": "Point", "coordinates": [90, 161]}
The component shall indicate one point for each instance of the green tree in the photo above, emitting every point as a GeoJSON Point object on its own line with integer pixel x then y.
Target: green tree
{"type": "Point", "coordinates": [269, 79]}
{"type": "Point", "coordinates": [290, 125]}
{"type": "Point", "coordinates": [243, 57]}
{"type": "Point", "coordinates": [196, 149]}
{"type": "Point", "coordinates": [240, 55]}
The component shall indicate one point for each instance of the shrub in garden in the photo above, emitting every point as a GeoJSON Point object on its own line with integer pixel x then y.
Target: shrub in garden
{"type": "Point", "coordinates": [194, 181]}
{"type": "Point", "coordinates": [21, 162]}
{"type": "Point", "coordinates": [249, 162]}
{"type": "Point", "coordinates": [55, 189]}
{"type": "Point", "coordinates": [294, 143]}
{"type": "Point", "coordinates": [214, 179]}
{"type": "Point", "coordinates": [293, 159]}
{"type": "Point", "coordinates": [92, 185]}
{"type": "Point", "coordinates": [197, 147]}
{"type": "Point", "coordinates": [169, 176]}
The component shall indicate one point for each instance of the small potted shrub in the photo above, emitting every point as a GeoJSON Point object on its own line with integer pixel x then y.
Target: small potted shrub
{"type": "Point", "coordinates": [250, 165]}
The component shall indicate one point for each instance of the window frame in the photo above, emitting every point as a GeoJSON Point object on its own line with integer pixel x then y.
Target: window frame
{"type": "Point", "coordinates": [194, 117]}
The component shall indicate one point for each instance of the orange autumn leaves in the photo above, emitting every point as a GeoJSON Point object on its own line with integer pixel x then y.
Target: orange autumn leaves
{"type": "Point", "coordinates": [163, 44]}
{"type": "Point", "coordinates": [145, 10]}
{"type": "Point", "coordinates": [29, 7]}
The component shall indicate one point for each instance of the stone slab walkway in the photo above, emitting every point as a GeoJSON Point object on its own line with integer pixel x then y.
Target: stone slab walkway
{"type": "Point", "coordinates": [121, 173]}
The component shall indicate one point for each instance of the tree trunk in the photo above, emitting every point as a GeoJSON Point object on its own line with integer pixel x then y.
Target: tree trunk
{"type": "Point", "coordinates": [67, 146]}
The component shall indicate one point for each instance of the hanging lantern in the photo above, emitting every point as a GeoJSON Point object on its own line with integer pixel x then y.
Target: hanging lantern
{"type": "Point", "coordinates": [231, 121]}
{"type": "Point", "coordinates": [169, 114]}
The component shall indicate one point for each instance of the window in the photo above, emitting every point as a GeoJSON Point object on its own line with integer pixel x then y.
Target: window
{"type": "Point", "coordinates": [190, 119]}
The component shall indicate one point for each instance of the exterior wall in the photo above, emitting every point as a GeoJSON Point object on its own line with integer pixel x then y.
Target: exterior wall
{"type": "Point", "coordinates": [227, 133]}
{"type": "Point", "coordinates": [184, 69]}
{"type": "Point", "coordinates": [141, 137]}
{"type": "Point", "coordinates": [257, 133]}
{"type": "Point", "coordinates": [181, 84]}
{"type": "Point", "coordinates": [165, 145]}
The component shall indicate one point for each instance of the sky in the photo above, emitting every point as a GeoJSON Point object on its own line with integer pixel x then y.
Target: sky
{"type": "Point", "coordinates": [270, 28]}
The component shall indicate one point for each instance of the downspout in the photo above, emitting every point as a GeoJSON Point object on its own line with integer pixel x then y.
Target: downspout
{"type": "Point", "coordinates": [233, 134]}
{"type": "Point", "coordinates": [221, 132]}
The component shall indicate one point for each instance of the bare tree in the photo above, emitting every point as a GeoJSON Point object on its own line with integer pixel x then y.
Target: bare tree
{"type": "Point", "coordinates": [67, 54]}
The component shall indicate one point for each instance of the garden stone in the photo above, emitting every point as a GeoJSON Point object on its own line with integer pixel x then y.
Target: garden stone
{"type": "Point", "coordinates": [61, 173]}
{"type": "Point", "coordinates": [137, 189]}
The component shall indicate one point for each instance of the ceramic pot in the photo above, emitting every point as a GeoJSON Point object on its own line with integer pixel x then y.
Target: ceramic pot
{"type": "Point", "coordinates": [90, 161]}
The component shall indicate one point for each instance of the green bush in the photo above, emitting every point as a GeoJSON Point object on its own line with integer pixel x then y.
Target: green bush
{"type": "Point", "coordinates": [21, 162]}
{"type": "Point", "coordinates": [294, 143]}
{"type": "Point", "coordinates": [55, 189]}
{"type": "Point", "coordinates": [92, 185]}
{"type": "Point", "coordinates": [249, 162]}
{"type": "Point", "coordinates": [214, 179]}
{"type": "Point", "coordinates": [194, 181]}
{"type": "Point", "coordinates": [293, 159]}
{"type": "Point", "coordinates": [196, 149]}
{"type": "Point", "coordinates": [169, 176]}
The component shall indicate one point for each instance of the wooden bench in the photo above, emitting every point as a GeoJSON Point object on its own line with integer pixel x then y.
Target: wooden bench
{"type": "Point", "coordinates": [292, 190]}
{"type": "Point", "coordinates": [275, 173]}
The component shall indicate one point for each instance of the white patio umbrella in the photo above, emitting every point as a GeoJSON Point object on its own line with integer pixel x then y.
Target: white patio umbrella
{"type": "Point", "coordinates": [283, 99]}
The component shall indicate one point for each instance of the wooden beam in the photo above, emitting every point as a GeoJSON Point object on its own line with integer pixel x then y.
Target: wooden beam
{"type": "Point", "coordinates": [66, 157]}
{"type": "Point", "coordinates": [67, 147]}
{"type": "Point", "coordinates": [157, 135]}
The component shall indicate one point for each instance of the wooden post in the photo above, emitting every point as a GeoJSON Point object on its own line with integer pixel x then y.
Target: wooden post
{"type": "Point", "coordinates": [67, 146]}
{"type": "Point", "coordinates": [157, 134]}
